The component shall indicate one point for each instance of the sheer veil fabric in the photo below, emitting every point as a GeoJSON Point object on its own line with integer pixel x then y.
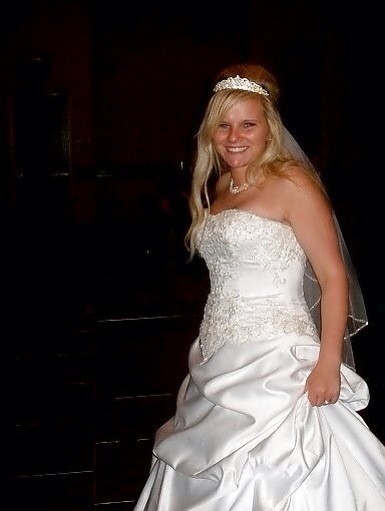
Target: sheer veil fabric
{"type": "Point", "coordinates": [357, 315]}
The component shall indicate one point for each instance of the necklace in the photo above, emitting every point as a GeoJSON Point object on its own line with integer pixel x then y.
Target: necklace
{"type": "Point", "coordinates": [237, 189]}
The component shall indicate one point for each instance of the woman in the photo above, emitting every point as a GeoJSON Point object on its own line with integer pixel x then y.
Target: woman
{"type": "Point", "coordinates": [267, 417]}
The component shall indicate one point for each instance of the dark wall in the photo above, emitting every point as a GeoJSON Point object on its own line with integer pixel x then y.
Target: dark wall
{"type": "Point", "coordinates": [137, 79]}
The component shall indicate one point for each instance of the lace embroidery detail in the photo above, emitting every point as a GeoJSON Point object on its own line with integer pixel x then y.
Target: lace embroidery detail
{"type": "Point", "coordinates": [269, 244]}
{"type": "Point", "coordinates": [233, 320]}
{"type": "Point", "coordinates": [256, 268]}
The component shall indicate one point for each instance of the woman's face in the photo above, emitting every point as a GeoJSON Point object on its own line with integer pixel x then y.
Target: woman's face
{"type": "Point", "coordinates": [241, 136]}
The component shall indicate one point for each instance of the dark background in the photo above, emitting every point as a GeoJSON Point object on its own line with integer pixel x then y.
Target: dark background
{"type": "Point", "coordinates": [100, 102]}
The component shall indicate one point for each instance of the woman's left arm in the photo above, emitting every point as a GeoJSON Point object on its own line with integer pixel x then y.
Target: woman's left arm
{"type": "Point", "coordinates": [310, 215]}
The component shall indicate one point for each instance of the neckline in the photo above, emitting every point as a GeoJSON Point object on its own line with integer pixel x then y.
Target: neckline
{"type": "Point", "coordinates": [249, 212]}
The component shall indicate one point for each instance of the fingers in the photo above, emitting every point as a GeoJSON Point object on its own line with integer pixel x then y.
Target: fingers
{"type": "Point", "coordinates": [321, 400]}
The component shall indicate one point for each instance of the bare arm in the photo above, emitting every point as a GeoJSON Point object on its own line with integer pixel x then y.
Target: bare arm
{"type": "Point", "coordinates": [310, 215]}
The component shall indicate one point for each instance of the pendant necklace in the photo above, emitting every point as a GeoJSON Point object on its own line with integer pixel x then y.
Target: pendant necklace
{"type": "Point", "coordinates": [234, 190]}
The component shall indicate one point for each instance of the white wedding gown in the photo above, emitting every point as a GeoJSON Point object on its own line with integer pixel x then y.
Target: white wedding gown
{"type": "Point", "coordinates": [244, 436]}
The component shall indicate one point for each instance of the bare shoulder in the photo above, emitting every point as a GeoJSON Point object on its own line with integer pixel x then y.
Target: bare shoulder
{"type": "Point", "coordinates": [299, 194]}
{"type": "Point", "coordinates": [300, 183]}
{"type": "Point", "coordinates": [299, 176]}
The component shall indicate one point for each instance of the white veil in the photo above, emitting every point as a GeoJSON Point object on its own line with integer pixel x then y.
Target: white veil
{"type": "Point", "coordinates": [357, 316]}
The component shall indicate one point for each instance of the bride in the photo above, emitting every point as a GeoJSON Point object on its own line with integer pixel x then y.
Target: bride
{"type": "Point", "coordinates": [267, 417]}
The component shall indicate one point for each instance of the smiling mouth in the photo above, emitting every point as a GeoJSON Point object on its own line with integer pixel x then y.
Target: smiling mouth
{"type": "Point", "coordinates": [236, 149]}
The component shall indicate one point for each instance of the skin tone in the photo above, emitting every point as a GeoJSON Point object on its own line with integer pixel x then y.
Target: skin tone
{"type": "Point", "coordinates": [242, 137]}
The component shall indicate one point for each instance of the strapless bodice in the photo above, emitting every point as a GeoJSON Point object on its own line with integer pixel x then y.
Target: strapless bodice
{"type": "Point", "coordinates": [256, 268]}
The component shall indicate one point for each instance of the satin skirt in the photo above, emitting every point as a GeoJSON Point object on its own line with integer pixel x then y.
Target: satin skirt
{"type": "Point", "coordinates": [245, 437]}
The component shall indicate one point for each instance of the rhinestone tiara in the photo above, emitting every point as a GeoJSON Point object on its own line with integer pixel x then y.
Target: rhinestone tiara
{"type": "Point", "coordinates": [240, 83]}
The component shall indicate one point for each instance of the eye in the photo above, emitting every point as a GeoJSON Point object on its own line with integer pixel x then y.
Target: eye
{"type": "Point", "coordinates": [249, 124]}
{"type": "Point", "coordinates": [223, 125]}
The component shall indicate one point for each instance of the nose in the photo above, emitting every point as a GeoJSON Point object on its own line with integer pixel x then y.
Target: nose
{"type": "Point", "coordinates": [233, 134]}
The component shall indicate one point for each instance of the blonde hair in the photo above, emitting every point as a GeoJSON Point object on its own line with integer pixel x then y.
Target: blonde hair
{"type": "Point", "coordinates": [275, 160]}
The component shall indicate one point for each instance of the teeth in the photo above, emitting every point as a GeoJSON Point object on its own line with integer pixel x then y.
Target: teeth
{"type": "Point", "coordinates": [236, 149]}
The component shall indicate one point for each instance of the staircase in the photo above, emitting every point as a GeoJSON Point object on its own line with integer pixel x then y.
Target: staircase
{"type": "Point", "coordinates": [98, 334]}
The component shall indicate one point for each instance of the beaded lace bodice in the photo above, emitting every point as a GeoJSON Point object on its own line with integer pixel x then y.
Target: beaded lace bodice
{"type": "Point", "coordinates": [256, 269]}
